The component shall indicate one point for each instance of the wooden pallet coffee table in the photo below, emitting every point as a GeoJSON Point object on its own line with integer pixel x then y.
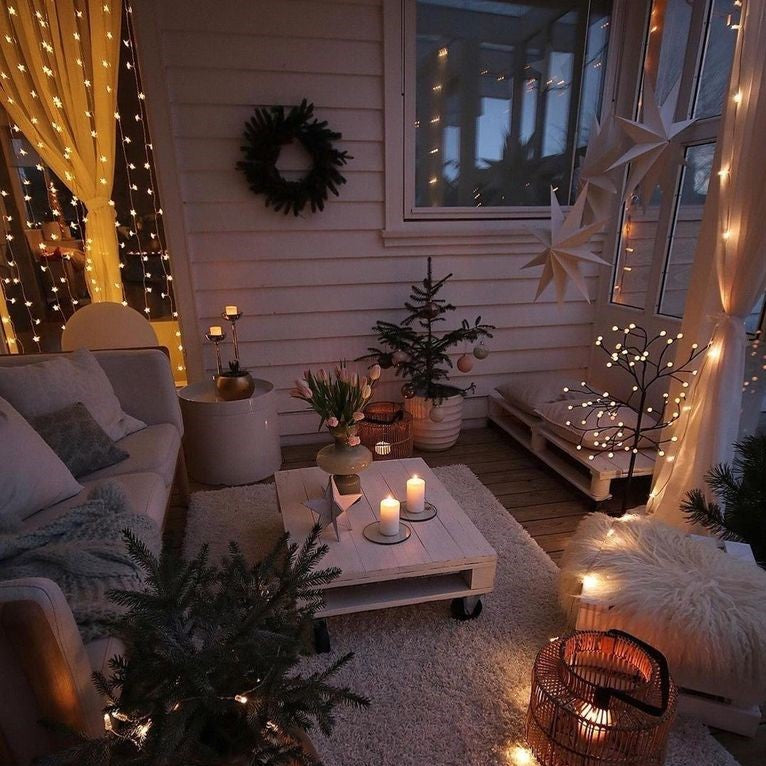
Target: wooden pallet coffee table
{"type": "Point", "coordinates": [445, 558]}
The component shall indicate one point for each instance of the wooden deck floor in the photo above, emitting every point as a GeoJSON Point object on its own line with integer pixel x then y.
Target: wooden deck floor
{"type": "Point", "coordinates": [545, 505]}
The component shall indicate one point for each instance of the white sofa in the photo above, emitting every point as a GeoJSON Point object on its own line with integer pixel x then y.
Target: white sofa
{"type": "Point", "coordinates": [44, 666]}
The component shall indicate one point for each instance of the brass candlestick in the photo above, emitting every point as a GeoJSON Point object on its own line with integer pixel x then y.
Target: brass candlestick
{"type": "Point", "coordinates": [233, 318]}
{"type": "Point", "coordinates": [217, 340]}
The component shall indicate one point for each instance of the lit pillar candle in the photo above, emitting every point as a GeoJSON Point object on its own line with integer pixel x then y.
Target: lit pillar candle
{"type": "Point", "coordinates": [389, 517]}
{"type": "Point", "coordinates": [231, 311]}
{"type": "Point", "coordinates": [416, 495]}
{"type": "Point", "coordinates": [215, 331]}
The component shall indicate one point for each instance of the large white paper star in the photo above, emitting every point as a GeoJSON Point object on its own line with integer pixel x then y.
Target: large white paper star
{"type": "Point", "coordinates": [651, 139]}
{"type": "Point", "coordinates": [566, 245]}
{"type": "Point", "coordinates": [331, 506]}
{"type": "Point", "coordinates": [602, 151]}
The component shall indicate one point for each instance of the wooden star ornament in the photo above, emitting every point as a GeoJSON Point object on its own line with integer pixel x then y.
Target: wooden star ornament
{"type": "Point", "coordinates": [331, 506]}
{"type": "Point", "coordinates": [566, 247]}
{"type": "Point", "coordinates": [652, 142]}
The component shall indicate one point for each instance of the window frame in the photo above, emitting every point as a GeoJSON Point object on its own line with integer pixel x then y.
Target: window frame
{"type": "Point", "coordinates": [702, 130]}
{"type": "Point", "coordinates": [402, 223]}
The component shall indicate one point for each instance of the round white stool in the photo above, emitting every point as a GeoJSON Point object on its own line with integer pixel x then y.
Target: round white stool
{"type": "Point", "coordinates": [230, 442]}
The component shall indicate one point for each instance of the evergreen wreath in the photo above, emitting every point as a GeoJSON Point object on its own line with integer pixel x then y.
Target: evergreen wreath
{"type": "Point", "coordinates": [266, 132]}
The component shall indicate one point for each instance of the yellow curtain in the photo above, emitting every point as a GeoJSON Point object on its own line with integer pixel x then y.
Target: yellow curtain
{"type": "Point", "coordinates": [59, 62]}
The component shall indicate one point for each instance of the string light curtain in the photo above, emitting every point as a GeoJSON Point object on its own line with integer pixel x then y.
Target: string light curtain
{"type": "Point", "coordinates": [58, 82]}
{"type": "Point", "coordinates": [737, 251]}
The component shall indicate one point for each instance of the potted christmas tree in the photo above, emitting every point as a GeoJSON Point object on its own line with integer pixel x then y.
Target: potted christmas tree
{"type": "Point", "coordinates": [419, 352]}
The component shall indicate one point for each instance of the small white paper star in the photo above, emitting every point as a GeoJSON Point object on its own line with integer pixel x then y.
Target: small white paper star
{"type": "Point", "coordinates": [566, 245]}
{"type": "Point", "coordinates": [331, 506]}
{"type": "Point", "coordinates": [651, 142]}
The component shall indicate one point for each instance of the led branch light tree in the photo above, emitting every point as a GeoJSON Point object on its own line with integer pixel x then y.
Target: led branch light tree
{"type": "Point", "coordinates": [644, 419]}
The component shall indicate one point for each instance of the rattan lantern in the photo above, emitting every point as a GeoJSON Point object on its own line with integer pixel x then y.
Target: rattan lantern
{"type": "Point", "coordinates": [600, 698]}
{"type": "Point", "coordinates": [386, 431]}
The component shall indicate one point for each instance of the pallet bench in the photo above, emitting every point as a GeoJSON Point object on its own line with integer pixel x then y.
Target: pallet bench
{"type": "Point", "coordinates": [593, 476]}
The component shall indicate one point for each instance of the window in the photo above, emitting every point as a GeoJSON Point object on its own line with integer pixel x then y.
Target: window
{"type": "Point", "coordinates": [689, 53]}
{"type": "Point", "coordinates": [499, 100]}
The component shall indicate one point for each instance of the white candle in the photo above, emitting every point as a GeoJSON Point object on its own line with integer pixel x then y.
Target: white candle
{"type": "Point", "coordinates": [416, 495]}
{"type": "Point", "coordinates": [389, 516]}
{"type": "Point", "coordinates": [215, 330]}
{"type": "Point", "coordinates": [231, 311]}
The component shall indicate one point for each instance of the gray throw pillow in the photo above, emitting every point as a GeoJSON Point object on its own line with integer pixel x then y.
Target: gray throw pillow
{"type": "Point", "coordinates": [80, 442]}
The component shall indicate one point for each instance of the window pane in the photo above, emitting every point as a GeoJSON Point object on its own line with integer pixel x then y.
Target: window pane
{"type": "Point", "coordinates": [716, 64]}
{"type": "Point", "coordinates": [688, 217]}
{"type": "Point", "coordinates": [671, 22]}
{"type": "Point", "coordinates": [634, 257]}
{"type": "Point", "coordinates": [504, 91]}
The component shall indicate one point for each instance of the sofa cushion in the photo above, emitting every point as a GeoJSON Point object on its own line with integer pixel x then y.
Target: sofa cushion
{"type": "Point", "coordinates": [596, 433]}
{"type": "Point", "coordinates": [144, 492]}
{"type": "Point", "coordinates": [36, 389]}
{"type": "Point", "coordinates": [32, 475]}
{"type": "Point", "coordinates": [528, 392]}
{"type": "Point", "coordinates": [101, 651]}
{"type": "Point", "coordinates": [154, 449]}
{"type": "Point", "coordinates": [77, 439]}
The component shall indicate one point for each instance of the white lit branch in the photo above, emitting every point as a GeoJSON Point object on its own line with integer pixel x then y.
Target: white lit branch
{"type": "Point", "coordinates": [644, 418]}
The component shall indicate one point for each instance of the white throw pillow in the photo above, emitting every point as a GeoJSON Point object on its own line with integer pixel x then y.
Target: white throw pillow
{"type": "Point", "coordinates": [43, 387]}
{"type": "Point", "coordinates": [528, 392]}
{"type": "Point", "coordinates": [598, 429]}
{"type": "Point", "coordinates": [32, 476]}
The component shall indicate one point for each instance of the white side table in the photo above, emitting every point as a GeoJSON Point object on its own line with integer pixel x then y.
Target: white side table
{"type": "Point", "coordinates": [230, 442]}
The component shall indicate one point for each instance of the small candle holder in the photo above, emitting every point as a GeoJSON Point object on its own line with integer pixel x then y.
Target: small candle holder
{"type": "Point", "coordinates": [233, 319]}
{"type": "Point", "coordinates": [372, 533]}
{"type": "Point", "coordinates": [427, 513]}
{"type": "Point", "coordinates": [217, 340]}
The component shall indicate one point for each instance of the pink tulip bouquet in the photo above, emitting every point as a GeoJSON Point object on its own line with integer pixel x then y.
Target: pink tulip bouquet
{"type": "Point", "coordinates": [338, 398]}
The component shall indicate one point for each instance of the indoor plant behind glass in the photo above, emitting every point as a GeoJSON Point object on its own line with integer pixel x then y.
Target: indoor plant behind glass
{"type": "Point", "coordinates": [339, 398]}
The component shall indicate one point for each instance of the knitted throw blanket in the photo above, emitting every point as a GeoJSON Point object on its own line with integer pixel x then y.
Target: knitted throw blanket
{"type": "Point", "coordinates": [84, 553]}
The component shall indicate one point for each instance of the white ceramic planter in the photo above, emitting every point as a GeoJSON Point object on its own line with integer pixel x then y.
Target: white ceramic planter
{"type": "Point", "coordinates": [430, 436]}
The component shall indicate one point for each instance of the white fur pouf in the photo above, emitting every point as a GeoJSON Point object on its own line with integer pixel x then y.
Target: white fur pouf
{"type": "Point", "coordinates": [705, 610]}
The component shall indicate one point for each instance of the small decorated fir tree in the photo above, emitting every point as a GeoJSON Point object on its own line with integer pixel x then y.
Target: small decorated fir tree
{"type": "Point", "coordinates": [419, 351]}
{"type": "Point", "coordinates": [212, 672]}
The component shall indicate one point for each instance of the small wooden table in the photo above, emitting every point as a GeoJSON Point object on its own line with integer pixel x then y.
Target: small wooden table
{"type": "Point", "coordinates": [444, 558]}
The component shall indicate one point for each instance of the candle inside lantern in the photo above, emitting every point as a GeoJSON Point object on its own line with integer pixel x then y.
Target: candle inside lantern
{"type": "Point", "coordinates": [416, 495]}
{"type": "Point", "coordinates": [215, 331]}
{"type": "Point", "coordinates": [383, 448]}
{"type": "Point", "coordinates": [389, 516]}
{"type": "Point", "coordinates": [231, 311]}
{"type": "Point", "coordinates": [595, 722]}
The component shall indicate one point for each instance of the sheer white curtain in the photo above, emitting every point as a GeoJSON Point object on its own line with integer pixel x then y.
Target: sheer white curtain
{"type": "Point", "coordinates": [735, 249]}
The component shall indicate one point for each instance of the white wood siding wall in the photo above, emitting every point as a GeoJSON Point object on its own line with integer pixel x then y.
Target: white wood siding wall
{"type": "Point", "coordinates": [312, 287]}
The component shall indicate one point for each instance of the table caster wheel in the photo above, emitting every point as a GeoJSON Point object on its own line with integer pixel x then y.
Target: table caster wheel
{"type": "Point", "coordinates": [321, 637]}
{"type": "Point", "coordinates": [466, 608]}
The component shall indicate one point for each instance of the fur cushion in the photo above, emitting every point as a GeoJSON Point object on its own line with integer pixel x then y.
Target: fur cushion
{"type": "Point", "coordinates": [705, 610]}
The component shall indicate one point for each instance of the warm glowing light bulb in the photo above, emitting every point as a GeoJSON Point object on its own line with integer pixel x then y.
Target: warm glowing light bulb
{"type": "Point", "coordinates": [240, 698]}
{"type": "Point", "coordinates": [521, 756]}
{"type": "Point", "coordinates": [590, 582]}
{"type": "Point", "coordinates": [595, 722]}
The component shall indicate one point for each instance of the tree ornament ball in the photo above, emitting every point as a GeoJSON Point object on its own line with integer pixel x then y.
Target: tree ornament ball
{"type": "Point", "coordinates": [481, 351]}
{"type": "Point", "coordinates": [385, 361]}
{"type": "Point", "coordinates": [400, 357]}
{"type": "Point", "coordinates": [430, 310]}
{"type": "Point", "coordinates": [408, 390]}
{"type": "Point", "coordinates": [465, 363]}
{"type": "Point", "coordinates": [437, 414]}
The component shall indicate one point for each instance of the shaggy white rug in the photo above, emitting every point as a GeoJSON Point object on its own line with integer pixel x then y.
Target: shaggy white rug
{"type": "Point", "coordinates": [676, 591]}
{"type": "Point", "coordinates": [444, 693]}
